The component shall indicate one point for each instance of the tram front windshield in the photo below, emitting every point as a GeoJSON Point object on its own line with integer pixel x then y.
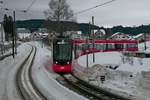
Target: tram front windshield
{"type": "Point", "coordinates": [62, 51]}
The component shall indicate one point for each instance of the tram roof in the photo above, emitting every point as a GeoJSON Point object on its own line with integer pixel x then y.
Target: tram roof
{"type": "Point", "coordinates": [78, 41]}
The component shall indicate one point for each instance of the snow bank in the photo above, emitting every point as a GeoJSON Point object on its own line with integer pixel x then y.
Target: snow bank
{"type": "Point", "coordinates": [101, 58]}
{"type": "Point", "coordinates": [144, 80]}
{"type": "Point", "coordinates": [116, 61]}
{"type": "Point", "coordinates": [127, 76]}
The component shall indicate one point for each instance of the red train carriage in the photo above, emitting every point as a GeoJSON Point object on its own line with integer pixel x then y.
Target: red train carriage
{"type": "Point", "coordinates": [62, 55]}
{"type": "Point", "coordinates": [84, 47]}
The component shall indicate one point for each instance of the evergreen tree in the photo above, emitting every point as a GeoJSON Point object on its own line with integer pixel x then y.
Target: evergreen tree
{"type": "Point", "coordinates": [10, 21]}
{"type": "Point", "coordinates": [8, 26]}
{"type": "Point", "coordinates": [5, 23]}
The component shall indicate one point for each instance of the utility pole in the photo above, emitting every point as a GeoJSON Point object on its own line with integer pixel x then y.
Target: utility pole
{"type": "Point", "coordinates": [87, 58]}
{"type": "Point", "coordinates": [2, 45]}
{"type": "Point", "coordinates": [75, 48]}
{"type": "Point", "coordinates": [89, 32]}
{"type": "Point", "coordinates": [144, 41]}
{"type": "Point", "coordinates": [13, 37]}
{"type": "Point", "coordinates": [93, 38]}
{"type": "Point", "coordinates": [14, 30]}
{"type": "Point", "coordinates": [13, 44]}
{"type": "Point", "coordinates": [87, 48]}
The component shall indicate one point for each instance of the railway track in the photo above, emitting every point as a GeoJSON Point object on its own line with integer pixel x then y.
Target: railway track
{"type": "Point", "coordinates": [90, 91]}
{"type": "Point", "coordinates": [25, 85]}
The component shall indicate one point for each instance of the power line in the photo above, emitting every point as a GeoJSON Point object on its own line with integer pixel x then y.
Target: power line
{"type": "Point", "coordinates": [10, 9]}
{"type": "Point", "coordinates": [94, 7]}
{"type": "Point", "coordinates": [30, 5]}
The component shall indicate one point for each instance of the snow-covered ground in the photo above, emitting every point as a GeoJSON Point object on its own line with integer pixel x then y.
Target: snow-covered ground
{"type": "Point", "coordinates": [127, 76]}
{"type": "Point", "coordinates": [44, 78]}
{"type": "Point", "coordinates": [8, 67]}
{"type": "Point", "coordinates": [124, 63]}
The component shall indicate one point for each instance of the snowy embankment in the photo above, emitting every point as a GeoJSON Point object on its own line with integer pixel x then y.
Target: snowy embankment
{"type": "Point", "coordinates": [114, 59]}
{"type": "Point", "coordinates": [127, 76]}
{"type": "Point", "coordinates": [8, 69]}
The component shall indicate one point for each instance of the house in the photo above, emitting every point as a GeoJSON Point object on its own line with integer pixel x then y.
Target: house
{"type": "Point", "coordinates": [2, 33]}
{"type": "Point", "coordinates": [34, 36]}
{"type": "Point", "coordinates": [120, 36]}
{"type": "Point", "coordinates": [142, 36]}
{"type": "Point", "coordinates": [42, 30]}
{"type": "Point", "coordinates": [100, 34]}
{"type": "Point", "coordinates": [23, 33]}
{"type": "Point", "coordinates": [76, 35]}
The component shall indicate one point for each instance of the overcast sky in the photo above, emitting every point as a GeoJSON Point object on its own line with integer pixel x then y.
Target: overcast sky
{"type": "Point", "coordinates": [119, 12]}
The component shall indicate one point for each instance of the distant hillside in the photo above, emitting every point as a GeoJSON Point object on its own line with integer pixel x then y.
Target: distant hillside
{"type": "Point", "coordinates": [34, 23]}
{"type": "Point", "coordinates": [132, 30]}
{"type": "Point", "coordinates": [39, 23]}
{"type": "Point", "coordinates": [84, 27]}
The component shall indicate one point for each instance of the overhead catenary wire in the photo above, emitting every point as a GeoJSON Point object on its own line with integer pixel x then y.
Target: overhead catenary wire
{"type": "Point", "coordinates": [29, 7]}
{"type": "Point", "coordinates": [105, 3]}
{"type": "Point", "coordinates": [25, 11]}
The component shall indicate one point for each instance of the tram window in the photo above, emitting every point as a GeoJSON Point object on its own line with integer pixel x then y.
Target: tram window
{"type": "Point", "coordinates": [100, 46]}
{"type": "Point", "coordinates": [85, 46]}
{"type": "Point", "coordinates": [62, 52]}
{"type": "Point", "coordinates": [110, 46]}
{"type": "Point", "coordinates": [95, 45]}
{"type": "Point", "coordinates": [104, 46]}
{"type": "Point", "coordinates": [90, 45]}
{"type": "Point", "coordinates": [131, 45]}
{"type": "Point", "coordinates": [119, 46]}
{"type": "Point", "coordinates": [78, 47]}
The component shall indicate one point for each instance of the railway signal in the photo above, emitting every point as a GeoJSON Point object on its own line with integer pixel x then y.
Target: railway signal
{"type": "Point", "coordinates": [102, 78]}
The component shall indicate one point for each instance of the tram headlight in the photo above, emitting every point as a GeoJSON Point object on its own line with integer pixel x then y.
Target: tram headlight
{"type": "Point", "coordinates": [56, 62]}
{"type": "Point", "coordinates": [67, 62]}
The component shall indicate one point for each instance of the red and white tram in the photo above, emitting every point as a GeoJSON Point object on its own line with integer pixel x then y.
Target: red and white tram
{"type": "Point", "coordinates": [62, 55]}
{"type": "Point", "coordinates": [88, 46]}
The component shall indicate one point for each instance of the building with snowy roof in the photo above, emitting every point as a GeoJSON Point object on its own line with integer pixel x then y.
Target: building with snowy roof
{"type": "Point", "coordinates": [100, 33]}
{"type": "Point", "coordinates": [120, 36]}
{"type": "Point", "coordinates": [142, 36]}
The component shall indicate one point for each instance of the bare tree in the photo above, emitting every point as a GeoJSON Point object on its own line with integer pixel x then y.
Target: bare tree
{"type": "Point", "coordinates": [59, 11]}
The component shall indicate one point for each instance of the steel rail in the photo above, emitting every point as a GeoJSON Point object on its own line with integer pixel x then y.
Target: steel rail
{"type": "Point", "coordinates": [91, 91]}
{"type": "Point", "coordinates": [24, 81]}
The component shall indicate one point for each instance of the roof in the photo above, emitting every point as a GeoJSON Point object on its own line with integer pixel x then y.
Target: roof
{"type": "Point", "coordinates": [116, 34]}
{"type": "Point", "coordinates": [78, 41]}
{"type": "Point", "coordinates": [139, 35]}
